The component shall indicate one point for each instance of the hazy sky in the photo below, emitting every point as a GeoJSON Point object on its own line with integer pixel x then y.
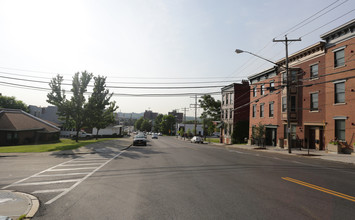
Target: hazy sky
{"type": "Point", "coordinates": [152, 43]}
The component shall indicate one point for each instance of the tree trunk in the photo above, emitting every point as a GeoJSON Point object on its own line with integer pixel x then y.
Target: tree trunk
{"type": "Point", "coordinates": [77, 136]}
{"type": "Point", "coordinates": [97, 133]}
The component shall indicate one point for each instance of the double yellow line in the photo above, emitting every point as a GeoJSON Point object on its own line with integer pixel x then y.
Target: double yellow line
{"type": "Point", "coordinates": [341, 195]}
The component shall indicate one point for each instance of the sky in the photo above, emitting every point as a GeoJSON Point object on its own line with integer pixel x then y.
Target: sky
{"type": "Point", "coordinates": [152, 43]}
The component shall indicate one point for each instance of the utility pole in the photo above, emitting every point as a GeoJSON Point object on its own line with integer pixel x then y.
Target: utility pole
{"type": "Point", "coordinates": [195, 106]}
{"type": "Point", "coordinates": [288, 95]}
{"type": "Point", "coordinates": [185, 109]}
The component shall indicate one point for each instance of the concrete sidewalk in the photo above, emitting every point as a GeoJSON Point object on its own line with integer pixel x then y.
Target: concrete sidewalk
{"type": "Point", "coordinates": [344, 158]}
{"type": "Point", "coordinates": [15, 204]}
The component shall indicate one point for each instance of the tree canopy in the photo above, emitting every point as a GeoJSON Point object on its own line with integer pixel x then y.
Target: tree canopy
{"type": "Point", "coordinates": [76, 111]}
{"type": "Point", "coordinates": [12, 103]}
{"type": "Point", "coordinates": [211, 107]}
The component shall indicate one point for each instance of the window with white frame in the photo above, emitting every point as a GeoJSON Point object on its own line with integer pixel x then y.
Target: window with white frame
{"type": "Point", "coordinates": [262, 89]}
{"type": "Point", "coordinates": [314, 102]}
{"type": "Point", "coordinates": [339, 58]}
{"type": "Point", "coordinates": [254, 92]}
{"type": "Point", "coordinates": [262, 110]}
{"type": "Point", "coordinates": [340, 129]}
{"type": "Point", "coordinates": [271, 109]}
{"type": "Point", "coordinates": [227, 95]}
{"type": "Point", "coordinates": [230, 113]}
{"type": "Point", "coordinates": [314, 71]}
{"type": "Point", "coordinates": [272, 86]}
{"type": "Point", "coordinates": [339, 92]}
{"type": "Point", "coordinates": [284, 104]}
{"type": "Point", "coordinates": [254, 110]}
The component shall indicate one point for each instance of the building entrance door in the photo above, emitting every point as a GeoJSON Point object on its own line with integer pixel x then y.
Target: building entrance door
{"type": "Point", "coordinates": [312, 138]}
{"type": "Point", "coordinates": [270, 136]}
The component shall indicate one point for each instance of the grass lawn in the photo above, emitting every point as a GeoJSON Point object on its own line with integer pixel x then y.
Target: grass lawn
{"type": "Point", "coordinates": [214, 140]}
{"type": "Point", "coordinates": [64, 144]}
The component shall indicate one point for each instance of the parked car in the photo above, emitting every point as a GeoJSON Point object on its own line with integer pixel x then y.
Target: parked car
{"type": "Point", "coordinates": [83, 134]}
{"type": "Point", "coordinates": [160, 134]}
{"type": "Point", "coordinates": [154, 136]}
{"type": "Point", "coordinates": [139, 140]}
{"type": "Point", "coordinates": [196, 139]}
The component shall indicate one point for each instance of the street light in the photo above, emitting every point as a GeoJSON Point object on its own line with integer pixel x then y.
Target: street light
{"type": "Point", "coordinates": [243, 51]}
{"type": "Point", "coordinates": [238, 51]}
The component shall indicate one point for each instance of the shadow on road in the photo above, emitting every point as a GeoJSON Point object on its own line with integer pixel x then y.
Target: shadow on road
{"type": "Point", "coordinates": [136, 152]}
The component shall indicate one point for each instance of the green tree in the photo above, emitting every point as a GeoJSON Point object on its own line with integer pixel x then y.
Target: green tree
{"type": "Point", "coordinates": [74, 109]}
{"type": "Point", "coordinates": [138, 123]}
{"type": "Point", "coordinates": [211, 107]}
{"type": "Point", "coordinates": [168, 124]}
{"type": "Point", "coordinates": [258, 133]}
{"type": "Point", "coordinates": [157, 123]}
{"type": "Point", "coordinates": [100, 116]}
{"type": "Point", "coordinates": [12, 103]}
{"type": "Point", "coordinates": [146, 125]}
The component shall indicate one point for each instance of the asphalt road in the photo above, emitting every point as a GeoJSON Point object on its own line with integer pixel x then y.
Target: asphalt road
{"type": "Point", "coordinates": [173, 179]}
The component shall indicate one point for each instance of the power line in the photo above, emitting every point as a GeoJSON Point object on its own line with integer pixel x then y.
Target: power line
{"type": "Point", "coordinates": [328, 23]}
{"type": "Point", "coordinates": [142, 83]}
{"type": "Point", "coordinates": [297, 27]}
{"type": "Point", "coordinates": [114, 94]}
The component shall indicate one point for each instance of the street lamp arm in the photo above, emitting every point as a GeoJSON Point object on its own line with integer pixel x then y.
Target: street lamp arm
{"type": "Point", "coordinates": [243, 51]}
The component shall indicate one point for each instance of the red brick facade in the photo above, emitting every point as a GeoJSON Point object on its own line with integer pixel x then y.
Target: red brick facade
{"type": "Point", "coordinates": [322, 94]}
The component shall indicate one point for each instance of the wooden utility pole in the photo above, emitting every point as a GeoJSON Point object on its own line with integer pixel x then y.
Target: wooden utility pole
{"type": "Point", "coordinates": [185, 109]}
{"type": "Point", "coordinates": [288, 102]}
{"type": "Point", "coordinates": [195, 106]}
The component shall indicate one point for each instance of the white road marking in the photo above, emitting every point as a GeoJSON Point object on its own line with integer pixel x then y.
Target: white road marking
{"type": "Point", "coordinates": [63, 174]}
{"type": "Point", "coordinates": [47, 182]}
{"type": "Point", "coordinates": [80, 181]}
{"type": "Point", "coordinates": [49, 191]}
{"type": "Point", "coordinates": [80, 168]}
{"type": "Point", "coordinates": [78, 164]}
{"type": "Point", "coordinates": [5, 187]}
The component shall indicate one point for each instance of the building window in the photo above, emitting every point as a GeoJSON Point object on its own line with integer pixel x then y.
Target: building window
{"type": "Point", "coordinates": [314, 71]}
{"type": "Point", "coordinates": [261, 110]}
{"type": "Point", "coordinates": [272, 86]}
{"type": "Point", "coordinates": [340, 129]}
{"type": "Point", "coordinates": [339, 58]}
{"type": "Point", "coordinates": [284, 104]}
{"type": "Point", "coordinates": [293, 103]}
{"type": "Point", "coordinates": [230, 113]}
{"type": "Point", "coordinates": [227, 99]}
{"type": "Point", "coordinates": [339, 92]}
{"type": "Point", "coordinates": [222, 99]}
{"type": "Point", "coordinates": [254, 110]}
{"type": "Point", "coordinates": [284, 78]}
{"type": "Point", "coordinates": [271, 109]}
{"type": "Point", "coordinates": [262, 89]}
{"type": "Point", "coordinates": [314, 102]}
{"type": "Point", "coordinates": [254, 92]}
{"type": "Point", "coordinates": [294, 75]}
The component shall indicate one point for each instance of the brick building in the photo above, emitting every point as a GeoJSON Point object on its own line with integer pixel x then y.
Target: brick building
{"type": "Point", "coordinates": [340, 83]}
{"type": "Point", "coordinates": [265, 105]}
{"type": "Point", "coordinates": [322, 93]}
{"type": "Point", "coordinates": [307, 97]}
{"type": "Point", "coordinates": [234, 108]}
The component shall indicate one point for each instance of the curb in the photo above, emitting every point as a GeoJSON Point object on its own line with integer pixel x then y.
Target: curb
{"type": "Point", "coordinates": [34, 205]}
